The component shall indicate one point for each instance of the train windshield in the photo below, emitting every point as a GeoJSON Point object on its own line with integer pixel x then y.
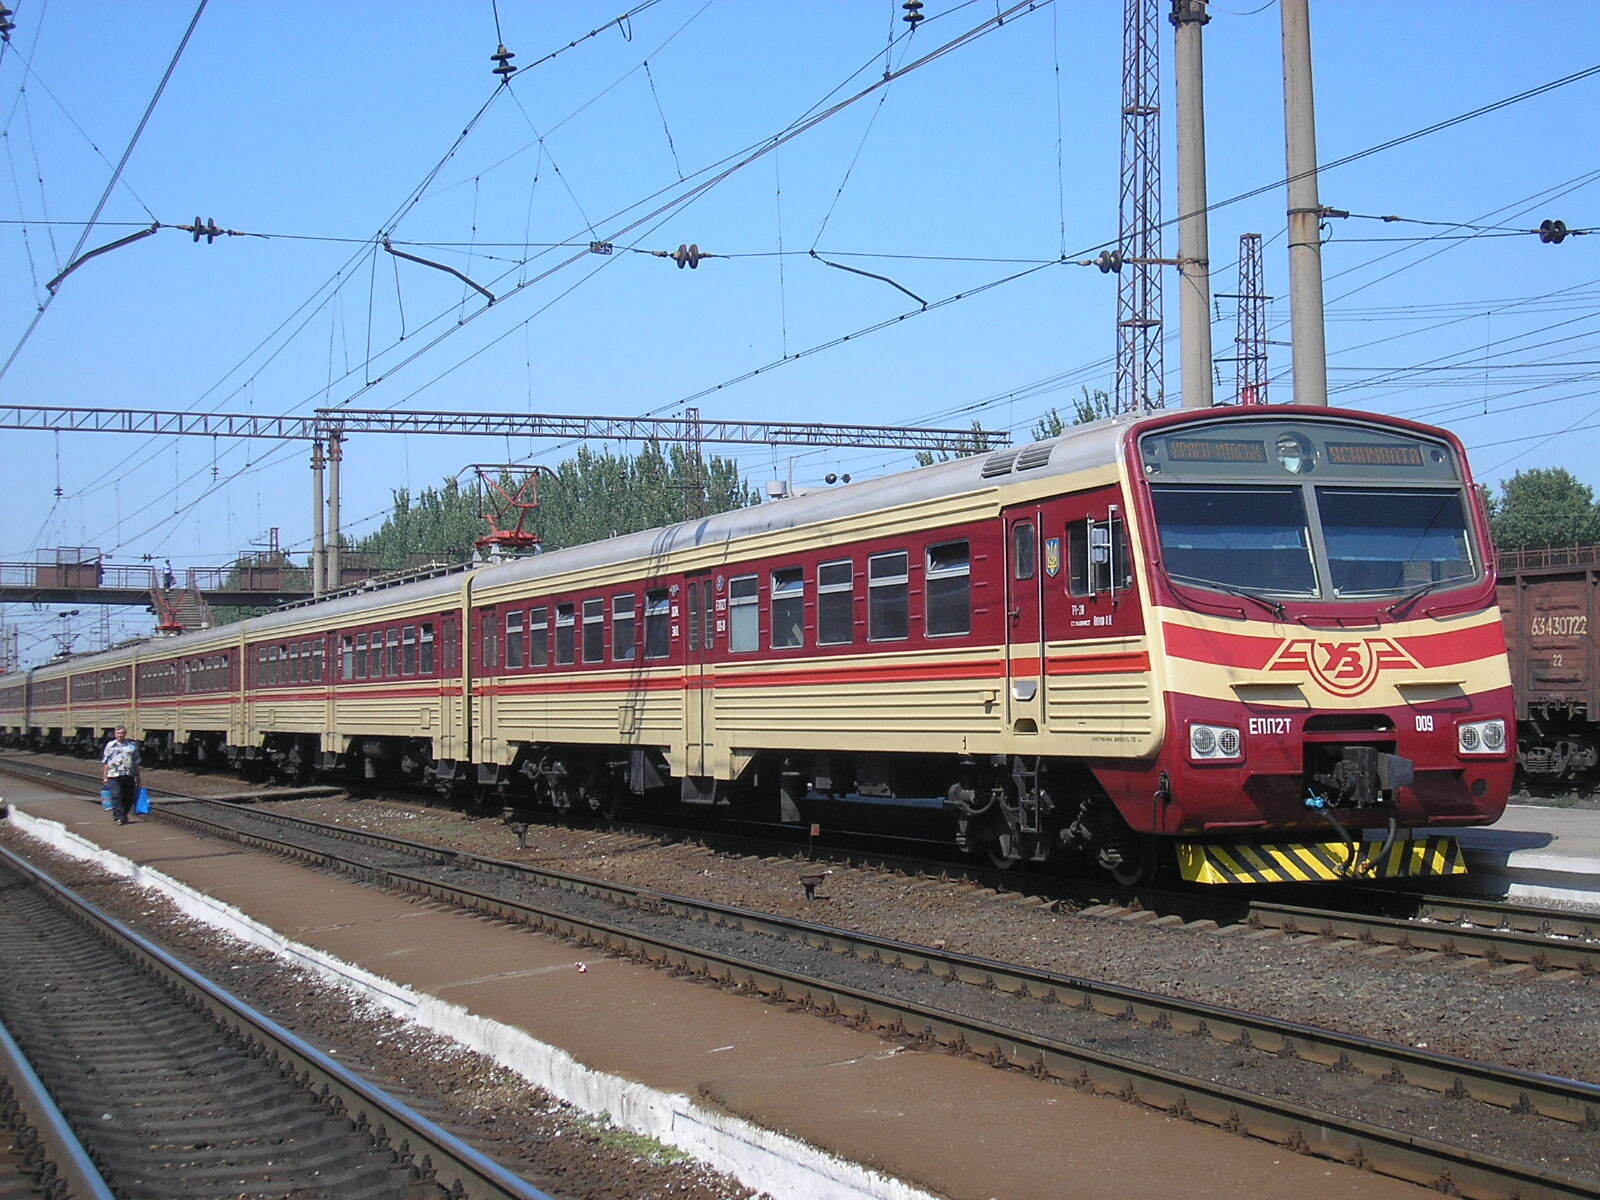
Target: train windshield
{"type": "Point", "coordinates": [1333, 509]}
{"type": "Point", "coordinates": [1244, 537]}
{"type": "Point", "coordinates": [1382, 541]}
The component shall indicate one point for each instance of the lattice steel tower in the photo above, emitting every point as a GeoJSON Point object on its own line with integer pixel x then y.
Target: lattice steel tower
{"type": "Point", "coordinates": [1250, 336]}
{"type": "Point", "coordinates": [1139, 352]}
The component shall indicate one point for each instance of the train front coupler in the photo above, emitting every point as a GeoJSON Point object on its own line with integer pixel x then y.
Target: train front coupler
{"type": "Point", "coordinates": [1362, 778]}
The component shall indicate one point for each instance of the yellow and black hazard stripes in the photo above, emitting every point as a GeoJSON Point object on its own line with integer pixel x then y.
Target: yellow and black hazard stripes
{"type": "Point", "coordinates": [1317, 862]}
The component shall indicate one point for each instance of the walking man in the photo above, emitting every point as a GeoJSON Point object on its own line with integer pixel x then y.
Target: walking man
{"type": "Point", "coordinates": [120, 763]}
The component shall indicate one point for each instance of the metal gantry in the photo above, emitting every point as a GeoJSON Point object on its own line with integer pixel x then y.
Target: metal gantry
{"type": "Point", "coordinates": [1250, 336]}
{"type": "Point", "coordinates": [327, 429]}
{"type": "Point", "coordinates": [1140, 359]}
{"type": "Point", "coordinates": [346, 421]}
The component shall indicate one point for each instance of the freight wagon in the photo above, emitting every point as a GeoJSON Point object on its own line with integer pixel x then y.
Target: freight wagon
{"type": "Point", "coordinates": [1548, 599]}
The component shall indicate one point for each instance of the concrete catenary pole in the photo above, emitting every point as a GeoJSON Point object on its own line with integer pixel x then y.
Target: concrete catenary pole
{"type": "Point", "coordinates": [318, 547]}
{"type": "Point", "coordinates": [1305, 211]}
{"type": "Point", "coordinates": [335, 457]}
{"type": "Point", "coordinates": [1194, 255]}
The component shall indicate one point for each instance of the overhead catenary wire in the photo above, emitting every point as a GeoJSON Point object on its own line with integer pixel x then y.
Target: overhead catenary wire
{"type": "Point", "coordinates": [111, 184]}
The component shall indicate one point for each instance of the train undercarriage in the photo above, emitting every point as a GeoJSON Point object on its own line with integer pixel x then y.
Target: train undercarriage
{"type": "Point", "coordinates": [1557, 743]}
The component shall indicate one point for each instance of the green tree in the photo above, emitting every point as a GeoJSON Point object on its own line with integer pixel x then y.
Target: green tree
{"type": "Point", "coordinates": [973, 445]}
{"type": "Point", "coordinates": [1091, 406]}
{"type": "Point", "coordinates": [1545, 506]}
{"type": "Point", "coordinates": [588, 497]}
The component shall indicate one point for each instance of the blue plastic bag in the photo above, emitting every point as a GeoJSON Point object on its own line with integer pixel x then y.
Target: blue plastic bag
{"type": "Point", "coordinates": [141, 806]}
{"type": "Point", "coordinates": [105, 797]}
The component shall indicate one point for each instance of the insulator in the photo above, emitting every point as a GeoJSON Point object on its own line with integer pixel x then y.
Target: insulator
{"type": "Point", "coordinates": [503, 58]}
{"type": "Point", "coordinates": [687, 256]}
{"type": "Point", "coordinates": [913, 13]}
{"type": "Point", "coordinates": [6, 23]}
{"type": "Point", "coordinates": [1109, 262]}
{"type": "Point", "coordinates": [196, 229]}
{"type": "Point", "coordinates": [1552, 232]}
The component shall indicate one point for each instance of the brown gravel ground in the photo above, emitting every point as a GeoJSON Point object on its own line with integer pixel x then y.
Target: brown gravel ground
{"type": "Point", "coordinates": [1461, 1007]}
{"type": "Point", "coordinates": [553, 1145]}
{"type": "Point", "coordinates": [1456, 1007]}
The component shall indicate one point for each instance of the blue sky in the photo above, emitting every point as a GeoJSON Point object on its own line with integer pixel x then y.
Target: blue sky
{"type": "Point", "coordinates": [311, 122]}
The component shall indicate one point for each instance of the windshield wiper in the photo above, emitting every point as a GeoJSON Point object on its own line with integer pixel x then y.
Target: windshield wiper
{"type": "Point", "coordinates": [1411, 598]}
{"type": "Point", "coordinates": [1275, 607]}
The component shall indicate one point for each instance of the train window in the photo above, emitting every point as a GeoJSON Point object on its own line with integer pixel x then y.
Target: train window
{"type": "Point", "coordinates": [888, 597]}
{"type": "Point", "coordinates": [491, 645]}
{"type": "Point", "coordinates": [452, 647]}
{"type": "Point", "coordinates": [361, 656]}
{"type": "Point", "coordinates": [566, 617]}
{"type": "Point", "coordinates": [1097, 555]}
{"type": "Point", "coordinates": [514, 640]}
{"type": "Point", "coordinates": [1024, 550]}
{"type": "Point", "coordinates": [788, 608]}
{"type": "Point", "coordinates": [836, 604]}
{"type": "Point", "coordinates": [624, 636]}
{"type": "Point", "coordinates": [708, 627]}
{"type": "Point", "coordinates": [408, 650]}
{"type": "Point", "coordinates": [375, 655]}
{"type": "Point", "coordinates": [594, 630]}
{"type": "Point", "coordinates": [347, 657]}
{"type": "Point", "coordinates": [744, 614]}
{"type": "Point", "coordinates": [319, 650]}
{"type": "Point", "coordinates": [949, 589]}
{"type": "Point", "coordinates": [427, 647]}
{"type": "Point", "coordinates": [657, 624]}
{"type": "Point", "coordinates": [694, 616]}
{"type": "Point", "coordinates": [1256, 538]}
{"type": "Point", "coordinates": [297, 663]}
{"type": "Point", "coordinates": [1391, 541]}
{"type": "Point", "coordinates": [394, 654]}
{"type": "Point", "coordinates": [539, 636]}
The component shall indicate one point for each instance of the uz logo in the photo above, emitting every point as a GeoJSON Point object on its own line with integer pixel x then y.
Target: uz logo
{"type": "Point", "coordinates": [1342, 660]}
{"type": "Point", "coordinates": [1343, 668]}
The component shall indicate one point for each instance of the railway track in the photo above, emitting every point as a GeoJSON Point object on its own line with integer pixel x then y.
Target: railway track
{"type": "Point", "coordinates": [40, 1155]}
{"type": "Point", "coordinates": [177, 1089]}
{"type": "Point", "coordinates": [1475, 1128]}
{"type": "Point", "coordinates": [1496, 932]}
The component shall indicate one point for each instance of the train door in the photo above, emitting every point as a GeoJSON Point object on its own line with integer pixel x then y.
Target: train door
{"type": "Point", "coordinates": [1024, 620]}
{"type": "Point", "coordinates": [700, 628]}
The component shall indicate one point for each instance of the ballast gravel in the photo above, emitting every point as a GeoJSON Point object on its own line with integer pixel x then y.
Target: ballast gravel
{"type": "Point", "coordinates": [1462, 1007]}
{"type": "Point", "coordinates": [553, 1145]}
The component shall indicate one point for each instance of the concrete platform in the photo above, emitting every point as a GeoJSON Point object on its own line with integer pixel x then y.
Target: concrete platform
{"type": "Point", "coordinates": [1537, 853]}
{"type": "Point", "coordinates": [789, 1103]}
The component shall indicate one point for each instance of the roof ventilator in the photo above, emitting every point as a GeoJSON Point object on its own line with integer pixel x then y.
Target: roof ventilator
{"type": "Point", "coordinates": [1036, 455]}
{"type": "Point", "coordinates": [998, 463]}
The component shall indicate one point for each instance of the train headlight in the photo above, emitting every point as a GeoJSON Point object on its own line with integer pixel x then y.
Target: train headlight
{"type": "Point", "coordinates": [1481, 737]}
{"type": "Point", "coordinates": [1214, 743]}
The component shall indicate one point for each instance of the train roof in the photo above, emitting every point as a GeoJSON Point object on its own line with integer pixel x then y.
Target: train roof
{"type": "Point", "coordinates": [1079, 448]}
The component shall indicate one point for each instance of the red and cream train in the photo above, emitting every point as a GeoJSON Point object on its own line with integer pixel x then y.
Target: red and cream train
{"type": "Point", "coordinates": [1260, 643]}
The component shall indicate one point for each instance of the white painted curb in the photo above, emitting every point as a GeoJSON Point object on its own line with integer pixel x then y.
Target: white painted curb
{"type": "Point", "coordinates": [757, 1157]}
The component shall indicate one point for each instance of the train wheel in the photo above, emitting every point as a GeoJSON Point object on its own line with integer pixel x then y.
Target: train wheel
{"type": "Point", "coordinates": [1132, 861]}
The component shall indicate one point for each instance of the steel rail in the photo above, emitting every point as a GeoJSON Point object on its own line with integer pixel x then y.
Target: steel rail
{"type": "Point", "coordinates": [64, 1166]}
{"type": "Point", "coordinates": [1496, 931]}
{"type": "Point", "coordinates": [418, 1142]}
{"type": "Point", "coordinates": [1421, 1160]}
{"type": "Point", "coordinates": [1562, 940]}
